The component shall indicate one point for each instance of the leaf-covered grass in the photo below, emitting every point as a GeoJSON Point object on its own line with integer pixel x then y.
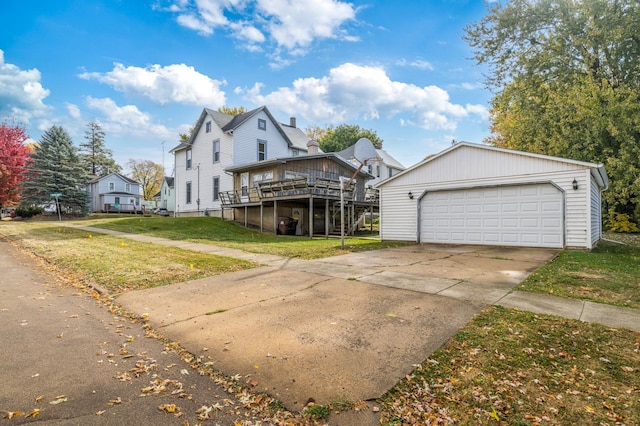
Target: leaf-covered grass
{"type": "Point", "coordinates": [610, 273]}
{"type": "Point", "coordinates": [115, 264]}
{"type": "Point", "coordinates": [215, 231]}
{"type": "Point", "coordinates": [517, 368]}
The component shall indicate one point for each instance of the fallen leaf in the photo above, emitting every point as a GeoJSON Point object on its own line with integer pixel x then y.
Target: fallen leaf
{"type": "Point", "coordinates": [168, 408]}
{"type": "Point", "coordinates": [34, 413]}
{"type": "Point", "coordinates": [494, 414]}
{"type": "Point", "coordinates": [116, 401]}
{"type": "Point", "coordinates": [12, 414]}
{"type": "Point", "coordinates": [589, 409]}
{"type": "Point", "coordinates": [39, 398]}
{"type": "Point", "coordinates": [627, 369]}
{"type": "Point", "coordinates": [101, 412]}
{"type": "Point", "coordinates": [59, 399]}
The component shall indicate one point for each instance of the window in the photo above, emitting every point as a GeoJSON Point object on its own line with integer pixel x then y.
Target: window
{"type": "Point", "coordinates": [216, 188]}
{"type": "Point", "coordinates": [127, 187]}
{"type": "Point", "coordinates": [116, 201]}
{"type": "Point", "coordinates": [112, 186]}
{"type": "Point", "coordinates": [216, 151]}
{"type": "Point", "coordinates": [370, 169]}
{"type": "Point", "coordinates": [294, 153]}
{"type": "Point", "coordinates": [378, 171]}
{"type": "Point", "coordinates": [188, 159]}
{"type": "Point", "coordinates": [262, 150]}
{"type": "Point", "coordinates": [262, 124]}
{"type": "Point", "coordinates": [390, 172]}
{"type": "Point", "coordinates": [208, 127]}
{"type": "Point", "coordinates": [188, 193]}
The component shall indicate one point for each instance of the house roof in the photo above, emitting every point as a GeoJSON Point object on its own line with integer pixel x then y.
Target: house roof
{"type": "Point", "coordinates": [387, 159]}
{"type": "Point", "coordinates": [275, 161]}
{"type": "Point", "coordinates": [228, 123]}
{"type": "Point", "coordinates": [597, 170]}
{"type": "Point", "coordinates": [124, 178]}
{"type": "Point", "coordinates": [169, 180]}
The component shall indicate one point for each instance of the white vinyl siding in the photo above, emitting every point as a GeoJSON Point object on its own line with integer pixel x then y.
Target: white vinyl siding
{"type": "Point", "coordinates": [245, 141]}
{"type": "Point", "coordinates": [595, 212]}
{"type": "Point", "coordinates": [467, 167]}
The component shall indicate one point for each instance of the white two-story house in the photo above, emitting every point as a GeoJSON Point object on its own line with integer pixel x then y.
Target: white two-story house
{"type": "Point", "coordinates": [381, 168]}
{"type": "Point", "coordinates": [114, 193]}
{"type": "Point", "coordinates": [220, 141]}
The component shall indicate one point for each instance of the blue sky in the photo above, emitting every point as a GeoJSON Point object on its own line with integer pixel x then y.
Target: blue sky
{"type": "Point", "coordinates": [144, 69]}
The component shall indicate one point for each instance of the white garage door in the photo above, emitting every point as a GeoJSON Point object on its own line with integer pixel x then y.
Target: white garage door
{"type": "Point", "coordinates": [525, 215]}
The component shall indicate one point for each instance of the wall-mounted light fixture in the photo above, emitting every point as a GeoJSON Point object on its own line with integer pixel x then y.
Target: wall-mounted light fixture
{"type": "Point", "coordinates": [575, 185]}
{"type": "Point", "coordinates": [410, 195]}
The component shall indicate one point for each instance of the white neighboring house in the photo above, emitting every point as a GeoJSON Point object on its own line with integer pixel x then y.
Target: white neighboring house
{"type": "Point", "coordinates": [167, 194]}
{"type": "Point", "coordinates": [220, 141]}
{"type": "Point", "coordinates": [382, 168]}
{"type": "Point", "coordinates": [114, 193]}
{"type": "Point", "coordinates": [479, 194]}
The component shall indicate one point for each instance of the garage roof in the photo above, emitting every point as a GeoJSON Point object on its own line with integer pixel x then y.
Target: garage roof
{"type": "Point", "coordinates": [597, 170]}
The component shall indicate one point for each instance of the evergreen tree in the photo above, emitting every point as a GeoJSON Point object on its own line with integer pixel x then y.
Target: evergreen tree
{"type": "Point", "coordinates": [97, 159]}
{"type": "Point", "coordinates": [56, 168]}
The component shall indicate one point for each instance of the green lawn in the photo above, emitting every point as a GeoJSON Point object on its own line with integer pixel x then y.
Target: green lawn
{"type": "Point", "coordinates": [116, 264]}
{"type": "Point", "coordinates": [508, 367]}
{"type": "Point", "coordinates": [610, 273]}
{"type": "Point", "coordinates": [212, 230]}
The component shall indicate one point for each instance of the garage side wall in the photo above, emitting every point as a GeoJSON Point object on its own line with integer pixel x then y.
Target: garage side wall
{"type": "Point", "coordinates": [467, 168]}
{"type": "Point", "coordinates": [596, 213]}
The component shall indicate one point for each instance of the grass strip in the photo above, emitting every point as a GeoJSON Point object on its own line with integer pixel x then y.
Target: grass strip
{"type": "Point", "coordinates": [610, 273]}
{"type": "Point", "coordinates": [116, 264]}
{"type": "Point", "coordinates": [519, 368]}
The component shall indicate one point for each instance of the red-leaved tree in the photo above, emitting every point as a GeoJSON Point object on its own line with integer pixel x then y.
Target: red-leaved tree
{"type": "Point", "coordinates": [14, 157]}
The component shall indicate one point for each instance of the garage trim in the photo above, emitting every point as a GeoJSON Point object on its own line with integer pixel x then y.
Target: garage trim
{"type": "Point", "coordinates": [463, 188]}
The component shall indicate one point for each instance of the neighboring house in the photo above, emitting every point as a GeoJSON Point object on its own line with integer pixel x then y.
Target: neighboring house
{"type": "Point", "coordinates": [302, 191]}
{"type": "Point", "coordinates": [382, 168]}
{"type": "Point", "coordinates": [220, 141]}
{"type": "Point", "coordinates": [167, 194]}
{"type": "Point", "coordinates": [114, 193]}
{"type": "Point", "coordinates": [479, 194]}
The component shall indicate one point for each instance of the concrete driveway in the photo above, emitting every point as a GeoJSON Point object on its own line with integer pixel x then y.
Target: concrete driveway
{"type": "Point", "coordinates": [342, 327]}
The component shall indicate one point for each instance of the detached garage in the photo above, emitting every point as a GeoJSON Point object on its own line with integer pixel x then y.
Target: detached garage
{"type": "Point", "coordinates": [478, 194]}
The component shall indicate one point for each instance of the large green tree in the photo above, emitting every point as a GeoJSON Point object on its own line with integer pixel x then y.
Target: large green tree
{"type": "Point", "coordinates": [565, 74]}
{"type": "Point", "coordinates": [56, 168]}
{"type": "Point", "coordinates": [343, 136]}
{"type": "Point", "coordinates": [148, 174]}
{"type": "Point", "coordinates": [97, 159]}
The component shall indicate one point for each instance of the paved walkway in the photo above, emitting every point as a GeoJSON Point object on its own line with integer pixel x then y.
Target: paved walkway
{"type": "Point", "coordinates": [608, 315]}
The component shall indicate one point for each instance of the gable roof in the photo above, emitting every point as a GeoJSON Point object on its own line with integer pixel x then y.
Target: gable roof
{"type": "Point", "coordinates": [228, 123]}
{"type": "Point", "coordinates": [169, 180]}
{"type": "Point", "coordinates": [387, 159]}
{"type": "Point", "coordinates": [597, 170]}
{"type": "Point", "coordinates": [124, 178]}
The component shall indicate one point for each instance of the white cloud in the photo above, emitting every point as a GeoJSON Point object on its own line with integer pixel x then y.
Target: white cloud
{"type": "Point", "coordinates": [418, 63]}
{"type": "Point", "coordinates": [126, 120]}
{"type": "Point", "coordinates": [21, 94]}
{"type": "Point", "coordinates": [289, 24]}
{"type": "Point", "coordinates": [172, 83]}
{"type": "Point", "coordinates": [73, 110]}
{"type": "Point", "coordinates": [352, 92]}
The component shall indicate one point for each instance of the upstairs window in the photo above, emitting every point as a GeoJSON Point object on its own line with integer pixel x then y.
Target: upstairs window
{"type": "Point", "coordinates": [294, 152]}
{"type": "Point", "coordinates": [188, 159]}
{"type": "Point", "coordinates": [262, 150]}
{"type": "Point", "coordinates": [262, 124]}
{"type": "Point", "coordinates": [208, 127]}
{"type": "Point", "coordinates": [127, 187]}
{"type": "Point", "coordinates": [216, 151]}
{"type": "Point", "coordinates": [112, 186]}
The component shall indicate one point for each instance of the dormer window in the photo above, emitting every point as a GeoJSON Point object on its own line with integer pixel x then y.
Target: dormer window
{"type": "Point", "coordinates": [262, 124]}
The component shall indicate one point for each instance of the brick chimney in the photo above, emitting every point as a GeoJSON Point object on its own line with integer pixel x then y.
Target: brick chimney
{"type": "Point", "coordinates": [313, 147]}
{"type": "Point", "coordinates": [292, 121]}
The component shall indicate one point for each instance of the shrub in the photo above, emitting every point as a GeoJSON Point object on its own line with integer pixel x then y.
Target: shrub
{"type": "Point", "coordinates": [619, 222]}
{"type": "Point", "coordinates": [28, 211]}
